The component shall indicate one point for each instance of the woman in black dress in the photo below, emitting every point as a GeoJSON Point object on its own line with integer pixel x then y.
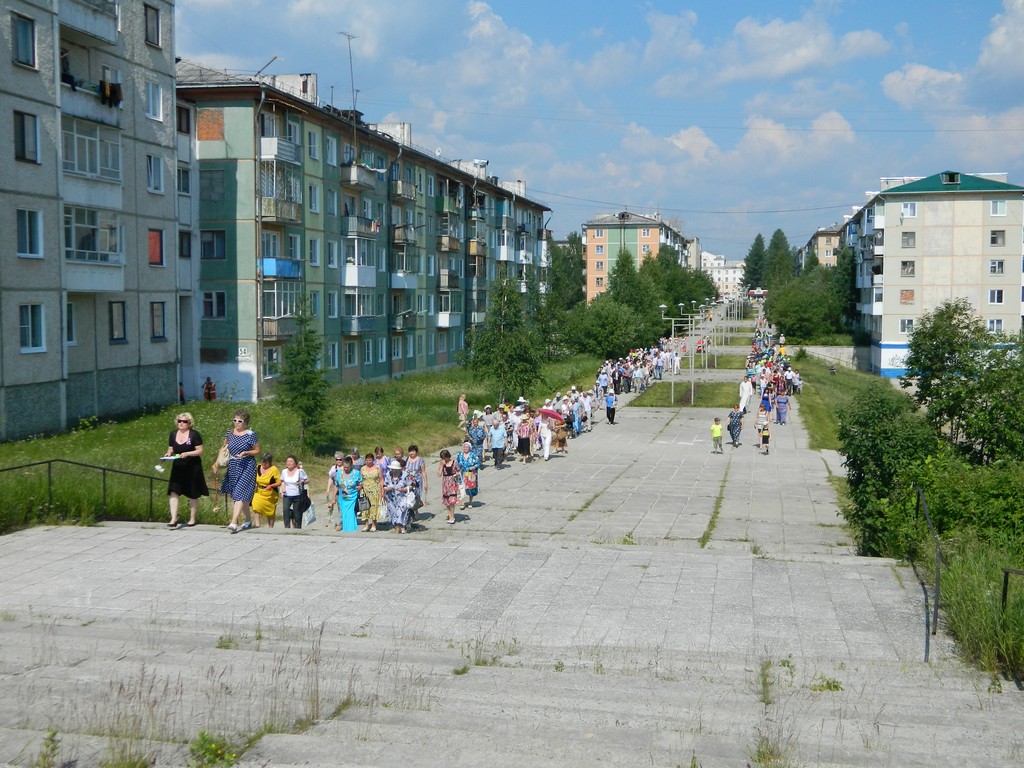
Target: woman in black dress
{"type": "Point", "coordinates": [187, 477]}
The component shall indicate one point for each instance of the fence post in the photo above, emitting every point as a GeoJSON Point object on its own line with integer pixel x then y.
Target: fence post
{"type": "Point", "coordinates": [104, 505]}
{"type": "Point", "coordinates": [49, 487]}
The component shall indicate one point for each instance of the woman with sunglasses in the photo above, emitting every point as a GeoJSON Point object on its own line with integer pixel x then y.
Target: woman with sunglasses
{"type": "Point", "coordinates": [240, 482]}
{"type": "Point", "coordinates": [187, 479]}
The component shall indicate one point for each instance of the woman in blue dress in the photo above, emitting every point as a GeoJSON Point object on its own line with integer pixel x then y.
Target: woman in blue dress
{"type": "Point", "coordinates": [397, 485]}
{"type": "Point", "coordinates": [240, 481]}
{"type": "Point", "coordinates": [416, 469]}
{"type": "Point", "coordinates": [475, 434]}
{"type": "Point", "coordinates": [348, 484]}
{"type": "Point", "coordinates": [469, 473]}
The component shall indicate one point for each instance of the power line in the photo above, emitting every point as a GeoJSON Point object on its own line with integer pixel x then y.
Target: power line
{"type": "Point", "coordinates": [734, 212]}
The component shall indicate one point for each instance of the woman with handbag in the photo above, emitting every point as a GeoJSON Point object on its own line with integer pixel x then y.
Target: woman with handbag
{"type": "Point", "coordinates": [242, 445]}
{"type": "Point", "coordinates": [373, 491]}
{"type": "Point", "coordinates": [469, 476]}
{"type": "Point", "coordinates": [449, 474]}
{"type": "Point", "coordinates": [186, 444]}
{"type": "Point", "coordinates": [416, 468]}
{"type": "Point", "coordinates": [293, 488]}
{"type": "Point", "coordinates": [397, 490]}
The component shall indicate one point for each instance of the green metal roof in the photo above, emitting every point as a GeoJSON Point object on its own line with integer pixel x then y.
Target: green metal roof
{"type": "Point", "coordinates": [943, 182]}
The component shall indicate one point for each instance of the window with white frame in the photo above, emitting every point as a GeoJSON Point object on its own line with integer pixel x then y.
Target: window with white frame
{"type": "Point", "coordinates": [184, 181]}
{"type": "Point", "coordinates": [23, 39]}
{"type": "Point", "coordinates": [645, 248]}
{"type": "Point", "coordinates": [598, 233]}
{"type": "Point", "coordinates": [281, 298]}
{"type": "Point", "coordinates": [599, 250]}
{"type": "Point", "coordinates": [332, 354]}
{"type": "Point", "coordinates": [367, 351]}
{"type": "Point", "coordinates": [294, 247]}
{"type": "Point", "coordinates": [908, 239]}
{"type": "Point", "coordinates": [314, 251]}
{"type": "Point", "coordinates": [997, 238]}
{"type": "Point", "coordinates": [30, 233]}
{"type": "Point", "coordinates": [91, 149]}
{"type": "Point", "coordinates": [396, 347]}
{"type": "Point", "coordinates": [31, 330]}
{"type": "Point", "coordinates": [271, 362]}
{"type": "Point", "coordinates": [645, 232]}
{"type": "Point", "coordinates": [91, 234]}
{"type": "Point", "coordinates": [995, 267]}
{"type": "Point", "coordinates": [351, 359]}
{"type": "Point", "coordinates": [331, 196]}
{"type": "Point", "coordinates": [118, 322]}
{"type": "Point", "coordinates": [157, 320]}
{"type": "Point", "coordinates": [995, 325]}
{"type": "Point", "coordinates": [995, 296]}
{"type": "Point", "coordinates": [382, 350]}
{"type": "Point", "coordinates": [332, 254]}
{"type": "Point", "coordinates": [314, 303]}
{"type": "Point", "coordinates": [215, 304]}
{"type": "Point", "coordinates": [332, 304]}
{"type": "Point", "coordinates": [907, 268]}
{"type": "Point", "coordinates": [906, 325]}
{"type": "Point", "coordinates": [314, 198]}
{"type": "Point", "coordinates": [313, 144]}
{"type": "Point", "coordinates": [599, 266]}
{"type": "Point", "coordinates": [331, 150]}
{"type": "Point", "coordinates": [154, 101]}
{"type": "Point", "coordinates": [997, 208]}
{"type": "Point", "coordinates": [155, 173]}
{"type": "Point", "coordinates": [410, 346]}
{"type": "Point", "coordinates": [908, 210]}
{"type": "Point", "coordinates": [26, 137]}
{"type": "Point", "coordinates": [212, 244]}
{"type": "Point", "coordinates": [152, 25]}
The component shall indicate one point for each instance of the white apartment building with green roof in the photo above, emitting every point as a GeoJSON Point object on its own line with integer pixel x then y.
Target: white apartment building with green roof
{"type": "Point", "coordinates": [393, 247]}
{"type": "Point", "coordinates": [921, 241]}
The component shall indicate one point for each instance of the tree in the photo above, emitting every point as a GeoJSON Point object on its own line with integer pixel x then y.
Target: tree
{"type": "Point", "coordinates": [844, 285]}
{"type": "Point", "coordinates": [779, 262]}
{"type": "Point", "coordinates": [506, 349]}
{"type": "Point", "coordinates": [567, 273]}
{"type": "Point", "coordinates": [805, 308]}
{"type": "Point", "coordinates": [990, 424]}
{"type": "Point", "coordinates": [302, 386]}
{"type": "Point", "coordinates": [754, 264]}
{"type": "Point", "coordinates": [605, 328]}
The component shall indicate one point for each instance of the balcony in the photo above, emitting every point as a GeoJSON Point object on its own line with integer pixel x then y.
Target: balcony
{"type": "Point", "coordinates": [354, 326]}
{"type": "Point", "coordinates": [876, 281]}
{"type": "Point", "coordinates": [448, 243]}
{"type": "Point", "coordinates": [478, 248]}
{"type": "Point", "coordinates": [359, 226]}
{"type": "Point", "coordinates": [405, 281]}
{"type": "Point", "coordinates": [477, 268]}
{"type": "Point", "coordinates": [505, 253]}
{"type": "Point", "coordinates": [405, 321]}
{"type": "Point", "coordinates": [449, 280]}
{"type": "Point", "coordinates": [85, 101]}
{"type": "Point", "coordinates": [506, 222]}
{"type": "Point", "coordinates": [448, 204]}
{"type": "Point", "coordinates": [281, 150]}
{"type": "Point", "coordinates": [403, 234]}
{"type": "Point", "coordinates": [96, 18]}
{"type": "Point", "coordinates": [357, 276]}
{"type": "Point", "coordinates": [403, 190]}
{"type": "Point", "coordinates": [449, 319]}
{"type": "Point", "coordinates": [478, 318]}
{"type": "Point", "coordinates": [477, 213]}
{"type": "Point", "coordinates": [276, 210]}
{"type": "Point", "coordinates": [358, 176]}
{"type": "Point", "coordinates": [288, 269]}
{"type": "Point", "coordinates": [278, 328]}
{"type": "Point", "coordinates": [93, 276]}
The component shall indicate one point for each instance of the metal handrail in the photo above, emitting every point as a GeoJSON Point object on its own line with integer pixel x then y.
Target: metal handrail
{"type": "Point", "coordinates": [104, 470]}
{"type": "Point", "coordinates": [940, 560]}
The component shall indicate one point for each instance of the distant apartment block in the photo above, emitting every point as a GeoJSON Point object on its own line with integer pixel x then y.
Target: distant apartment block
{"type": "Point", "coordinates": [90, 292]}
{"type": "Point", "coordinates": [393, 248]}
{"type": "Point", "coordinates": [605, 235]}
{"type": "Point", "coordinates": [824, 244]}
{"type": "Point", "coordinates": [921, 241]}
{"type": "Point", "coordinates": [727, 276]}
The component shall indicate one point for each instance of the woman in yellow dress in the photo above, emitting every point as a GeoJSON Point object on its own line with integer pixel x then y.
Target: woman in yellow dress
{"type": "Point", "coordinates": [373, 487]}
{"type": "Point", "coordinates": [268, 483]}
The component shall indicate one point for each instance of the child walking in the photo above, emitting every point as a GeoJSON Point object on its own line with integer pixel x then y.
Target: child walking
{"type": "Point", "coordinates": [716, 436]}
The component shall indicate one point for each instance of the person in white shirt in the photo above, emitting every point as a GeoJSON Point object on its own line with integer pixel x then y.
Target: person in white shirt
{"type": "Point", "coordinates": [293, 482]}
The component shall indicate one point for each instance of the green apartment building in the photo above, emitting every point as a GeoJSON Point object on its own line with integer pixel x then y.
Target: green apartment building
{"type": "Point", "coordinates": [392, 247]}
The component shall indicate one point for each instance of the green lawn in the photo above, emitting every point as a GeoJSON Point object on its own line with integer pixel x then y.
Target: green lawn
{"type": "Point", "coordinates": [706, 395]}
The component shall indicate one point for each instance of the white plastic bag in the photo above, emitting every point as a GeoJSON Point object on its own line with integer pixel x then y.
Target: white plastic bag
{"type": "Point", "coordinates": [309, 516]}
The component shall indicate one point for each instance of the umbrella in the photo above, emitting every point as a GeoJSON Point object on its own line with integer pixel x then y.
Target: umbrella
{"type": "Point", "coordinates": [551, 414]}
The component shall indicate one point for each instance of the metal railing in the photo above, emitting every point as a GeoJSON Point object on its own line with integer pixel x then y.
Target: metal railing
{"type": "Point", "coordinates": [940, 560]}
{"type": "Point", "coordinates": [104, 472]}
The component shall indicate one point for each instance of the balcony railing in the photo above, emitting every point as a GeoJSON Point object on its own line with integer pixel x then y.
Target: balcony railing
{"type": "Point", "coordinates": [448, 243]}
{"type": "Point", "coordinates": [476, 318]}
{"type": "Point", "coordinates": [276, 148]}
{"type": "Point", "coordinates": [359, 226]}
{"type": "Point", "coordinates": [277, 328]}
{"type": "Point", "coordinates": [449, 319]}
{"type": "Point", "coordinates": [477, 213]}
{"type": "Point", "coordinates": [449, 280]}
{"type": "Point", "coordinates": [290, 269]}
{"type": "Point", "coordinates": [354, 175]}
{"type": "Point", "coordinates": [277, 210]}
{"type": "Point", "coordinates": [403, 189]}
{"type": "Point", "coordinates": [354, 326]}
{"type": "Point", "coordinates": [404, 234]}
{"type": "Point", "coordinates": [448, 204]}
{"type": "Point", "coordinates": [478, 248]}
{"type": "Point", "coordinates": [406, 321]}
{"type": "Point", "coordinates": [97, 18]}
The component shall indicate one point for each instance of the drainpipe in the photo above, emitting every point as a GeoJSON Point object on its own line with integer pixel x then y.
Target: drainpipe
{"type": "Point", "coordinates": [389, 229]}
{"type": "Point", "coordinates": [258, 240]}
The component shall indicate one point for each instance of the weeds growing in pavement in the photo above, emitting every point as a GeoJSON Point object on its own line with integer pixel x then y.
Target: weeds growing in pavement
{"type": "Point", "coordinates": [49, 751]}
{"type": "Point", "coordinates": [461, 670]}
{"type": "Point", "coordinates": [227, 643]}
{"type": "Point", "coordinates": [713, 520]}
{"type": "Point", "coordinates": [823, 683]}
{"type": "Point", "coordinates": [208, 751]}
{"type": "Point", "coordinates": [772, 747]}
{"type": "Point", "coordinates": [764, 683]}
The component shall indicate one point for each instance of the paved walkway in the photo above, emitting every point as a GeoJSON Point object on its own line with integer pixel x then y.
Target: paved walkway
{"type": "Point", "coordinates": [570, 618]}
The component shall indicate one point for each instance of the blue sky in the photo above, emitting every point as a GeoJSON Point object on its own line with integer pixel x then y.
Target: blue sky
{"type": "Point", "coordinates": [730, 118]}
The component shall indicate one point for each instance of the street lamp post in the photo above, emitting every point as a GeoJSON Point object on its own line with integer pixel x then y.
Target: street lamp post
{"type": "Point", "coordinates": [674, 322]}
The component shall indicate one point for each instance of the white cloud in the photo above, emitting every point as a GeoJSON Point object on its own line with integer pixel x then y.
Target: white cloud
{"type": "Point", "coordinates": [695, 143]}
{"type": "Point", "coordinates": [1001, 57]}
{"type": "Point", "coordinates": [671, 37]}
{"type": "Point", "coordinates": [916, 85]}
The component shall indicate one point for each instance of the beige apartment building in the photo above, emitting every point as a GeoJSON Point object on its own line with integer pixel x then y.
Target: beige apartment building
{"type": "Point", "coordinates": [825, 244]}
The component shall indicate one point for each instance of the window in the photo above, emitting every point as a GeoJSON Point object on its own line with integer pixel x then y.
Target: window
{"type": "Point", "coordinates": [91, 149]}
{"type": "Point", "coordinates": [908, 239]}
{"type": "Point", "coordinates": [26, 137]}
{"type": "Point", "coordinates": [599, 282]}
{"type": "Point", "coordinates": [154, 173]}
{"type": "Point", "coordinates": [294, 247]}
{"type": "Point", "coordinates": [599, 266]}
{"type": "Point", "coordinates": [995, 325]}
{"type": "Point", "coordinates": [157, 328]}
{"type": "Point", "coordinates": [995, 267]}
{"type": "Point", "coordinates": [396, 347]}
{"type": "Point", "coordinates": [332, 201]}
{"type": "Point", "coordinates": [332, 354]}
{"type": "Point", "coordinates": [410, 346]}
{"type": "Point", "coordinates": [271, 362]}
{"type": "Point", "coordinates": [332, 254]}
{"type": "Point", "coordinates": [154, 101]}
{"type": "Point", "coordinates": [599, 250]}
{"type": "Point", "coordinates": [212, 244]}
{"type": "Point", "coordinates": [645, 232]}
{"type": "Point", "coordinates": [907, 268]}
{"type": "Point", "coordinates": [215, 304]}
{"type": "Point", "coordinates": [351, 358]}
{"type": "Point", "coordinates": [908, 210]}
{"type": "Point", "coordinates": [997, 238]}
{"type": "Point", "coordinates": [184, 181]}
{"type": "Point", "coordinates": [211, 185]}
{"type": "Point", "coordinates": [382, 350]}
{"type": "Point", "coordinates": [91, 235]}
{"type": "Point", "coordinates": [156, 247]}
{"type": "Point", "coordinates": [332, 303]}
{"type": "Point", "coordinates": [184, 244]}
{"type": "Point", "coordinates": [995, 296]}
{"type": "Point", "coordinates": [645, 249]}
{"type": "Point", "coordinates": [442, 341]}
{"type": "Point", "coordinates": [118, 331]}
{"type": "Point", "coordinates": [314, 251]}
{"type": "Point", "coordinates": [430, 186]}
{"type": "Point", "coordinates": [314, 198]}
{"type": "Point", "coordinates": [313, 144]}
{"type": "Point", "coordinates": [598, 233]}
{"type": "Point", "coordinates": [30, 234]}
{"type": "Point", "coordinates": [23, 34]}
{"type": "Point", "coordinates": [331, 149]}
{"type": "Point", "coordinates": [152, 25]}
{"type": "Point", "coordinates": [906, 325]}
{"type": "Point", "coordinates": [31, 330]}
{"type": "Point", "coordinates": [431, 341]}
{"type": "Point", "coordinates": [70, 336]}
{"type": "Point", "coordinates": [183, 120]}
{"type": "Point", "coordinates": [998, 208]}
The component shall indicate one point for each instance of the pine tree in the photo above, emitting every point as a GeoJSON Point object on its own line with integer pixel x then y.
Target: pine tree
{"type": "Point", "coordinates": [754, 264]}
{"type": "Point", "coordinates": [303, 386]}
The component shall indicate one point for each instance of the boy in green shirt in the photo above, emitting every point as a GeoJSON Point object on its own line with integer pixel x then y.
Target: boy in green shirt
{"type": "Point", "coordinates": [716, 436]}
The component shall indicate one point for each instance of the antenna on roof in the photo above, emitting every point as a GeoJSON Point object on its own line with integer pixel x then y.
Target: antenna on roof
{"type": "Point", "coordinates": [352, 82]}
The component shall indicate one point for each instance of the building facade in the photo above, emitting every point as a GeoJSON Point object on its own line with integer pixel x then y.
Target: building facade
{"type": "Point", "coordinates": [605, 235]}
{"type": "Point", "coordinates": [727, 276]}
{"type": "Point", "coordinates": [922, 241]}
{"type": "Point", "coordinates": [825, 244]}
{"type": "Point", "coordinates": [87, 191]}
{"type": "Point", "coordinates": [392, 247]}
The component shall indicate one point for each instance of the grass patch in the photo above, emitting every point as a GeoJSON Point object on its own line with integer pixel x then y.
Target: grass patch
{"type": "Point", "coordinates": [461, 670]}
{"type": "Point", "coordinates": [825, 395]}
{"type": "Point", "coordinates": [737, 362]}
{"type": "Point", "coordinates": [718, 394]}
{"type": "Point", "coordinates": [418, 408]}
{"type": "Point", "coordinates": [713, 521]}
{"type": "Point", "coordinates": [826, 684]}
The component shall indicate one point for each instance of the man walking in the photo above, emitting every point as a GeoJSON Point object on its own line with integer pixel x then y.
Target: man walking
{"type": "Point", "coordinates": [610, 401]}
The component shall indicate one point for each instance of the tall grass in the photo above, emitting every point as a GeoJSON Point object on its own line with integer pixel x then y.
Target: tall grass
{"type": "Point", "coordinates": [824, 395]}
{"type": "Point", "coordinates": [418, 408]}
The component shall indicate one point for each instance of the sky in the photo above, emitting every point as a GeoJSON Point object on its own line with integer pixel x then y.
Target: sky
{"type": "Point", "coordinates": [731, 119]}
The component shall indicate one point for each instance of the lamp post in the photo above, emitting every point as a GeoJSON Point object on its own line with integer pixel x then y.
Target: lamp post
{"type": "Point", "coordinates": [674, 322]}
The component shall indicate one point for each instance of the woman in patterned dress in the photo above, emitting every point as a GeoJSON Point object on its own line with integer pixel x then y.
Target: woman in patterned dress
{"type": "Point", "coordinates": [469, 474]}
{"type": "Point", "coordinates": [416, 469]}
{"type": "Point", "coordinates": [373, 488]}
{"type": "Point", "coordinates": [240, 481]}
{"type": "Point", "coordinates": [449, 474]}
{"type": "Point", "coordinates": [397, 485]}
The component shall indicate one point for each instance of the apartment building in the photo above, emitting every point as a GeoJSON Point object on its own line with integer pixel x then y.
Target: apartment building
{"type": "Point", "coordinates": [392, 246]}
{"type": "Point", "coordinates": [727, 276]}
{"type": "Point", "coordinates": [87, 193]}
{"type": "Point", "coordinates": [921, 241]}
{"type": "Point", "coordinates": [825, 244]}
{"type": "Point", "coordinates": [642, 235]}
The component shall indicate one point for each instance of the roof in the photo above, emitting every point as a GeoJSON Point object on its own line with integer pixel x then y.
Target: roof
{"type": "Point", "coordinates": [624, 218]}
{"type": "Point", "coordinates": [953, 181]}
